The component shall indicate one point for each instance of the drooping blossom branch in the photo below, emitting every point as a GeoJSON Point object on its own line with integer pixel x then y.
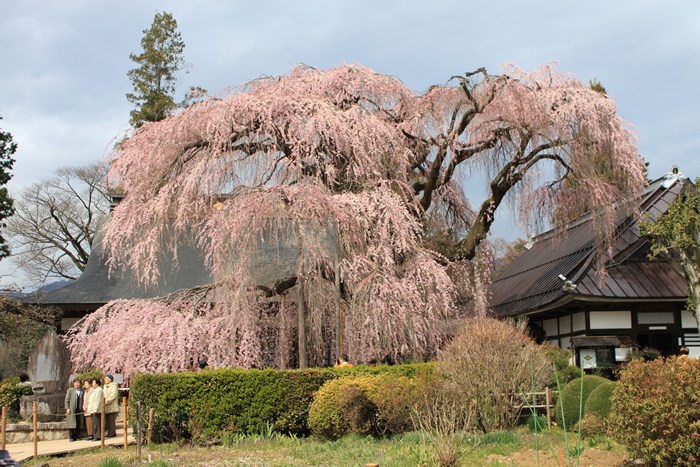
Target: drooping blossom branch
{"type": "Point", "coordinates": [345, 166]}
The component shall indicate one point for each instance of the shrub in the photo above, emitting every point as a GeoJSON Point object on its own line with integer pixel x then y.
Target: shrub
{"type": "Point", "coordinates": [599, 402]}
{"type": "Point", "coordinates": [94, 373]}
{"type": "Point", "coordinates": [241, 401]}
{"type": "Point", "coordinates": [212, 402]}
{"type": "Point", "coordinates": [646, 354]}
{"type": "Point", "coordinates": [656, 410]}
{"type": "Point", "coordinates": [491, 361]}
{"type": "Point", "coordinates": [560, 358]}
{"type": "Point", "coordinates": [357, 408]}
{"type": "Point", "coordinates": [14, 381]}
{"type": "Point", "coordinates": [395, 399]}
{"type": "Point", "coordinates": [540, 420]}
{"type": "Point", "coordinates": [592, 425]}
{"type": "Point", "coordinates": [570, 399]}
{"type": "Point", "coordinates": [408, 370]}
{"type": "Point", "coordinates": [10, 394]}
{"type": "Point", "coordinates": [444, 418]}
{"type": "Point", "coordinates": [342, 406]}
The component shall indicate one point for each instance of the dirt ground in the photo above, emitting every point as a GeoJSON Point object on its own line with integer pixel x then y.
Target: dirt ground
{"type": "Point", "coordinates": [591, 457]}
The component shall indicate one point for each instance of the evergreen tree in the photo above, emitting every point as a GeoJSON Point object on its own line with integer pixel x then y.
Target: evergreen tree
{"type": "Point", "coordinates": [7, 149]}
{"type": "Point", "coordinates": [154, 79]}
{"type": "Point", "coordinates": [675, 236]}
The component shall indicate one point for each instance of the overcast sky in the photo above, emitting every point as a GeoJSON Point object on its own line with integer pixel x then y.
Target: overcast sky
{"type": "Point", "coordinates": [63, 64]}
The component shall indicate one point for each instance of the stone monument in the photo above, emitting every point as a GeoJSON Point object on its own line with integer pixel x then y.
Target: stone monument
{"type": "Point", "coordinates": [49, 370]}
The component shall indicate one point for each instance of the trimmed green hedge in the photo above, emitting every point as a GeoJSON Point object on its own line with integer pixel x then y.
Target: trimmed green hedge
{"type": "Point", "coordinates": [204, 404]}
{"type": "Point", "coordinates": [599, 402]}
{"type": "Point", "coordinates": [570, 398]}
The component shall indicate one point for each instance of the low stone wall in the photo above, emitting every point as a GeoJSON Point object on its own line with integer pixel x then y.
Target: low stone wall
{"type": "Point", "coordinates": [23, 432]}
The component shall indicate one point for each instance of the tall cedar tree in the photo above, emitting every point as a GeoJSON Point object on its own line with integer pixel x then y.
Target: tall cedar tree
{"type": "Point", "coordinates": [7, 149]}
{"type": "Point", "coordinates": [675, 236]}
{"type": "Point", "coordinates": [154, 80]}
{"type": "Point", "coordinates": [357, 157]}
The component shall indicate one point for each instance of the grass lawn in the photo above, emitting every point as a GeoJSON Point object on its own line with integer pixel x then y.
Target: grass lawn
{"type": "Point", "coordinates": [516, 448]}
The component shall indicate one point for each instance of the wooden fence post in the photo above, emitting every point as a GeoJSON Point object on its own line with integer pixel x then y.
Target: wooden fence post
{"type": "Point", "coordinates": [102, 424]}
{"type": "Point", "coordinates": [548, 402]}
{"type": "Point", "coordinates": [34, 423]}
{"type": "Point", "coordinates": [126, 427]}
{"type": "Point", "coordinates": [4, 427]}
{"type": "Point", "coordinates": [150, 426]}
{"type": "Point", "coordinates": [138, 425]}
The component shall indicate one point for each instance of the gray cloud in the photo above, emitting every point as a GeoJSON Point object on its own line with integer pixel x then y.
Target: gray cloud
{"type": "Point", "coordinates": [64, 64]}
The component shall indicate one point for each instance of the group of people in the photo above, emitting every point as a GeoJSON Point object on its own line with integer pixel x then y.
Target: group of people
{"type": "Point", "coordinates": [84, 407]}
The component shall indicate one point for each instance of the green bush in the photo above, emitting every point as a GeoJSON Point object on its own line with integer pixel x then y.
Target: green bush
{"type": "Point", "coordinates": [94, 373]}
{"type": "Point", "coordinates": [395, 400]}
{"type": "Point", "coordinates": [408, 370]}
{"type": "Point", "coordinates": [10, 394]}
{"type": "Point", "coordinates": [14, 381]}
{"type": "Point", "coordinates": [207, 403]}
{"type": "Point", "coordinates": [570, 399]}
{"type": "Point", "coordinates": [342, 406]}
{"type": "Point", "coordinates": [599, 402]}
{"type": "Point", "coordinates": [656, 410]}
{"type": "Point", "coordinates": [646, 354]}
{"type": "Point", "coordinates": [560, 358]}
{"type": "Point", "coordinates": [592, 425]}
{"type": "Point", "coordinates": [210, 402]}
{"type": "Point", "coordinates": [540, 420]}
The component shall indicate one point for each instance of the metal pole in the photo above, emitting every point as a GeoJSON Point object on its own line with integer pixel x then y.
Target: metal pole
{"type": "Point", "coordinates": [126, 427]}
{"type": "Point", "coordinates": [34, 423]}
{"type": "Point", "coordinates": [102, 424]}
{"type": "Point", "coordinates": [4, 427]}
{"type": "Point", "coordinates": [138, 426]}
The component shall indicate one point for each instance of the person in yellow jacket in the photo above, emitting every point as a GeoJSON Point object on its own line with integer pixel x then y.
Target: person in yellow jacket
{"type": "Point", "coordinates": [95, 408]}
{"type": "Point", "coordinates": [111, 392]}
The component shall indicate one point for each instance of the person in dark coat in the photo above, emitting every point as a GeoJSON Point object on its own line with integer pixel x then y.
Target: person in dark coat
{"type": "Point", "coordinates": [74, 409]}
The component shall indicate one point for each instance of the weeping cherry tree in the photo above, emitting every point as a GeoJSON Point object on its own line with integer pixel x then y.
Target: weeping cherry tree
{"type": "Point", "coordinates": [361, 174]}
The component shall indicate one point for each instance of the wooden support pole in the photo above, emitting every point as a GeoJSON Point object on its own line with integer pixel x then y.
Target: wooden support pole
{"type": "Point", "coordinates": [34, 423]}
{"type": "Point", "coordinates": [150, 426]}
{"type": "Point", "coordinates": [282, 349]}
{"type": "Point", "coordinates": [549, 403]}
{"type": "Point", "coordinates": [341, 331]}
{"type": "Point", "coordinates": [126, 427]}
{"type": "Point", "coordinates": [102, 424]}
{"type": "Point", "coordinates": [138, 430]}
{"type": "Point", "coordinates": [338, 322]}
{"type": "Point", "coordinates": [301, 323]}
{"type": "Point", "coordinates": [4, 427]}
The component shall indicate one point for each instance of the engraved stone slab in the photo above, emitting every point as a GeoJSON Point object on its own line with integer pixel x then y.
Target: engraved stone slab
{"type": "Point", "coordinates": [49, 365]}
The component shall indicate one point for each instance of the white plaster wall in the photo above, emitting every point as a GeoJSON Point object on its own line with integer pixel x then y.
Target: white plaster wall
{"type": "Point", "coordinates": [611, 320]}
{"type": "Point", "coordinates": [688, 320]}
{"type": "Point", "coordinates": [550, 327]}
{"type": "Point", "coordinates": [578, 322]}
